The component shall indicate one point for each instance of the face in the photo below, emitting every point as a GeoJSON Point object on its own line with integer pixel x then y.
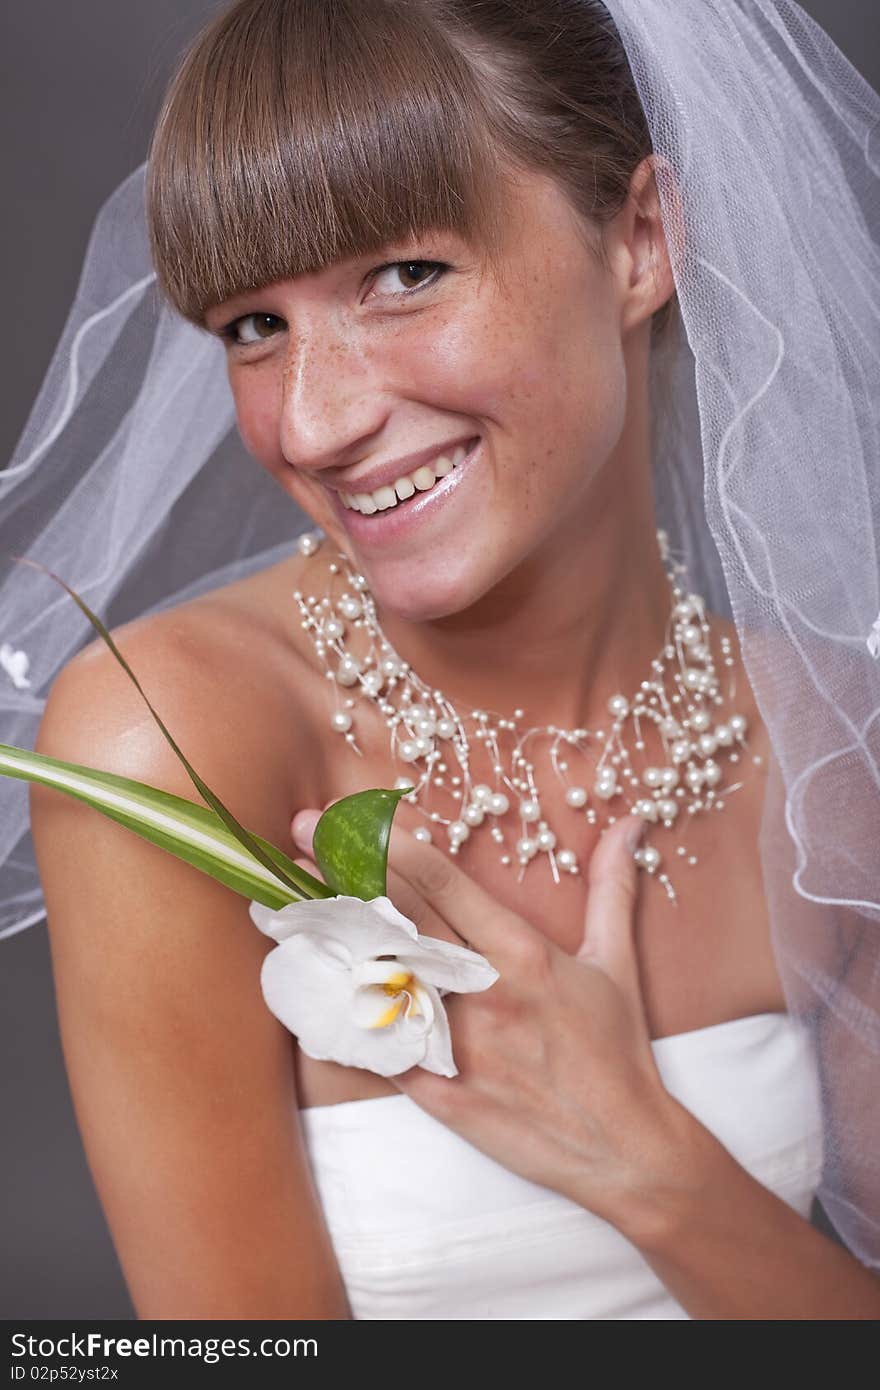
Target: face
{"type": "Point", "coordinates": [515, 375]}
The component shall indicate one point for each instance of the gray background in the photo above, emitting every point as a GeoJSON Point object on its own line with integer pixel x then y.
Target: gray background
{"type": "Point", "coordinates": [80, 86]}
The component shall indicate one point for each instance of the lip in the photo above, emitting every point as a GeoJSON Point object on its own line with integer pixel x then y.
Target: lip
{"type": "Point", "coordinates": [382, 528]}
{"type": "Point", "coordinates": [388, 473]}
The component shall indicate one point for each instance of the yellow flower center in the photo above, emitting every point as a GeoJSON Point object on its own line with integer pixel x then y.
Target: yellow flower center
{"type": "Point", "coordinates": [397, 988]}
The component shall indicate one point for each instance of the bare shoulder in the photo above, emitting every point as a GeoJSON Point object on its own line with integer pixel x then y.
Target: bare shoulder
{"type": "Point", "coordinates": [223, 675]}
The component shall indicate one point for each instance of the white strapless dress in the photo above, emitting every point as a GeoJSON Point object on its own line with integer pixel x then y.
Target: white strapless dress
{"type": "Point", "coordinates": [424, 1225]}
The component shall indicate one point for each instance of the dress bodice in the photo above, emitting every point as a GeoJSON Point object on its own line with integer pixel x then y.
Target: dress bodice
{"type": "Point", "coordinates": [425, 1225]}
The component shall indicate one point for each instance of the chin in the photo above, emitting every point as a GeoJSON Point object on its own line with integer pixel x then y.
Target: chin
{"type": "Point", "coordinates": [418, 592]}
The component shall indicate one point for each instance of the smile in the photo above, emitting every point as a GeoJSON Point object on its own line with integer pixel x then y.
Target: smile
{"type": "Point", "coordinates": [391, 495]}
{"type": "Point", "coordinates": [390, 513]}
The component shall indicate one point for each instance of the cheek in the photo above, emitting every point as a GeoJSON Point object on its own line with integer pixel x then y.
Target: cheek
{"type": "Point", "coordinates": [257, 415]}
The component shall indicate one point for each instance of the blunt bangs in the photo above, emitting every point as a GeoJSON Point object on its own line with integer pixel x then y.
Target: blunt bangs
{"type": "Point", "coordinates": [298, 134]}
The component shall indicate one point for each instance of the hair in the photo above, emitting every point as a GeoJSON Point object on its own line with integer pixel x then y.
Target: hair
{"type": "Point", "coordinates": [296, 133]}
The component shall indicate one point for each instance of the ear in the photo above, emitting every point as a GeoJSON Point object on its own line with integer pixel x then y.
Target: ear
{"type": "Point", "coordinates": [647, 235]}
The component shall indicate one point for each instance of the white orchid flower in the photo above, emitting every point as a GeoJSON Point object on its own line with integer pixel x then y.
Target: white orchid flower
{"type": "Point", "coordinates": [356, 983]}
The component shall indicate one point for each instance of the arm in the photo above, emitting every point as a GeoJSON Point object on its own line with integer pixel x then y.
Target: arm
{"type": "Point", "coordinates": [182, 1079]}
{"type": "Point", "coordinates": [728, 1248]}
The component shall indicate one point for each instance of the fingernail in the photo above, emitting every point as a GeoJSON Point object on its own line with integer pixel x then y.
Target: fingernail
{"type": "Point", "coordinates": [303, 828]}
{"type": "Point", "coordinates": [634, 833]}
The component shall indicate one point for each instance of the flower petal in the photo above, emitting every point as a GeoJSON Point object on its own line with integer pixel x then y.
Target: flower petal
{"type": "Point", "coordinates": [448, 965]}
{"type": "Point", "coordinates": [308, 989]}
{"type": "Point", "coordinates": [438, 1053]}
{"type": "Point", "coordinates": [385, 908]}
{"type": "Point", "coordinates": [364, 931]}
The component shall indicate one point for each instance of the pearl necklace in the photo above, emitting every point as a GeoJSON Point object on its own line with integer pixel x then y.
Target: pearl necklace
{"type": "Point", "coordinates": [425, 728]}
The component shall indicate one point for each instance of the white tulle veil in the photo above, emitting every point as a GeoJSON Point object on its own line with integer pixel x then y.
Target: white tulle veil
{"type": "Point", "coordinates": [129, 482]}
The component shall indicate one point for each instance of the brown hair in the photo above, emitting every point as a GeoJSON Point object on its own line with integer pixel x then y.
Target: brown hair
{"type": "Point", "coordinates": [299, 132]}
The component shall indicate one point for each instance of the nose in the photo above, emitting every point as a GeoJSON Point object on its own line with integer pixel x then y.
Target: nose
{"type": "Point", "coordinates": [332, 398]}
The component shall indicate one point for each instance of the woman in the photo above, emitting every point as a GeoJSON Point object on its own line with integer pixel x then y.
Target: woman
{"type": "Point", "coordinates": [592, 1158]}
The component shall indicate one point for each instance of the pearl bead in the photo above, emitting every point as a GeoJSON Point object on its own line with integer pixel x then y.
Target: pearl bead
{"type": "Point", "coordinates": [707, 744]}
{"type": "Point", "coordinates": [340, 720]}
{"type": "Point", "coordinates": [690, 634]}
{"type": "Point", "coordinates": [348, 670]}
{"type": "Point", "coordinates": [546, 840]}
{"type": "Point", "coordinates": [389, 667]}
{"type": "Point", "coordinates": [700, 720]}
{"type": "Point", "coordinates": [482, 794]}
{"type": "Point", "coordinates": [680, 750]}
{"type": "Point", "coordinates": [308, 543]}
{"type": "Point", "coordinates": [576, 796]}
{"type": "Point", "coordinates": [425, 728]}
{"type": "Point", "coordinates": [667, 808]}
{"type": "Point", "coordinates": [372, 683]}
{"type": "Point", "coordinates": [712, 774]}
{"type": "Point", "coordinates": [422, 833]}
{"type": "Point", "coordinates": [724, 735]}
{"type": "Point", "coordinates": [402, 782]}
{"type": "Point", "coordinates": [526, 848]}
{"type": "Point", "coordinates": [529, 810]}
{"type": "Point", "coordinates": [333, 628]}
{"type": "Point", "coordinates": [445, 728]}
{"type": "Point", "coordinates": [670, 727]}
{"type": "Point", "coordinates": [458, 831]}
{"type": "Point", "coordinates": [646, 807]}
{"type": "Point", "coordinates": [738, 725]}
{"type": "Point", "coordinates": [605, 787]}
{"type": "Point", "coordinates": [349, 607]}
{"type": "Point", "coordinates": [618, 705]}
{"type": "Point", "coordinates": [408, 750]}
{"type": "Point", "coordinates": [650, 857]}
{"type": "Point", "coordinates": [670, 778]}
{"type": "Point", "coordinates": [652, 776]}
{"type": "Point", "coordinates": [424, 745]}
{"type": "Point", "coordinates": [473, 815]}
{"type": "Point", "coordinates": [498, 804]}
{"type": "Point", "coordinates": [566, 859]}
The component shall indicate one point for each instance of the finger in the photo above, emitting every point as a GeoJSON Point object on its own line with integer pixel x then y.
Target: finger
{"type": "Point", "coordinates": [472, 913]}
{"type": "Point", "coordinates": [609, 923]}
{"type": "Point", "coordinates": [302, 826]}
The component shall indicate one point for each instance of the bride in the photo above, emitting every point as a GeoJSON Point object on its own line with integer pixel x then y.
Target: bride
{"type": "Point", "coordinates": [440, 236]}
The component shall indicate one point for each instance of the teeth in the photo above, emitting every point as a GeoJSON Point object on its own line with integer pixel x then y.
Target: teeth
{"type": "Point", "coordinates": [421, 480]}
{"type": "Point", "coordinates": [424, 478]}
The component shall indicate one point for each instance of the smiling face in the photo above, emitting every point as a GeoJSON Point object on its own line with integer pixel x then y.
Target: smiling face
{"type": "Point", "coordinates": [352, 368]}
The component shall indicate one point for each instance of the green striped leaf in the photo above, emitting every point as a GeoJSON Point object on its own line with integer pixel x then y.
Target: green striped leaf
{"type": "Point", "coordinates": [244, 837]}
{"type": "Point", "coordinates": [189, 831]}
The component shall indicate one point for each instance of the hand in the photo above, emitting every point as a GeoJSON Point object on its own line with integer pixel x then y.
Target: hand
{"type": "Point", "coordinates": [557, 1079]}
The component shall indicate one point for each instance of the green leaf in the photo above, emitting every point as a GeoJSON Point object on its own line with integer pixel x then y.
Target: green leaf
{"type": "Point", "coordinates": [184, 828]}
{"type": "Point", "coordinates": [250, 842]}
{"type": "Point", "coordinates": [351, 842]}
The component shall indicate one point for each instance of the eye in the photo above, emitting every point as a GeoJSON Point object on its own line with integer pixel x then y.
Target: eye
{"type": "Point", "coordinates": [409, 270]}
{"type": "Point", "coordinates": [261, 322]}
